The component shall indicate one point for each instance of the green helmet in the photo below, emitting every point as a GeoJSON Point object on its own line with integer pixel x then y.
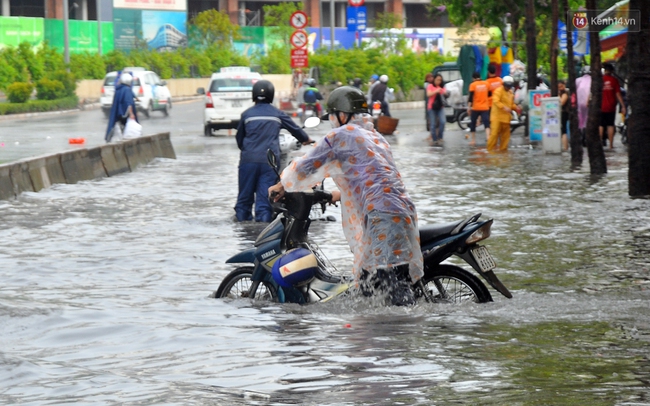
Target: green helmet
{"type": "Point", "coordinates": [347, 99]}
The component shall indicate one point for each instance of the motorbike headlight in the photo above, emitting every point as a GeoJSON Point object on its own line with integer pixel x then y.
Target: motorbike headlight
{"type": "Point", "coordinates": [481, 234]}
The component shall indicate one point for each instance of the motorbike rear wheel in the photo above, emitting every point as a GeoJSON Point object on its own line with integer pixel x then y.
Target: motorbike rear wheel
{"type": "Point", "coordinates": [454, 285]}
{"type": "Point", "coordinates": [239, 284]}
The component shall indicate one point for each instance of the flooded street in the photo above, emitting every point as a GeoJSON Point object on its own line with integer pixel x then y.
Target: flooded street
{"type": "Point", "coordinates": [105, 291]}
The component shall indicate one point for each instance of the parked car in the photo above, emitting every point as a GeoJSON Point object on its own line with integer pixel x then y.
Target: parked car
{"type": "Point", "coordinates": [151, 92]}
{"type": "Point", "coordinates": [229, 93]}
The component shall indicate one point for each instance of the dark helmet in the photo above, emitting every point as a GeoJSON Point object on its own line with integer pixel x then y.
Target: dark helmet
{"type": "Point", "coordinates": [347, 99]}
{"type": "Point", "coordinates": [263, 91]}
{"type": "Point", "coordinates": [311, 82]}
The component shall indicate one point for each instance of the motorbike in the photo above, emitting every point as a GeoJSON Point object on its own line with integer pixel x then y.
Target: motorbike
{"type": "Point", "coordinates": [516, 120]}
{"type": "Point", "coordinates": [310, 110]}
{"type": "Point", "coordinates": [441, 283]}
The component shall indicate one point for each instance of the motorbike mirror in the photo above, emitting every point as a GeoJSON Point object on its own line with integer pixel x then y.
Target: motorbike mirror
{"type": "Point", "coordinates": [312, 122]}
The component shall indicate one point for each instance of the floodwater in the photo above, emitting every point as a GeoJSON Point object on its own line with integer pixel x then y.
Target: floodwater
{"type": "Point", "coordinates": [105, 292]}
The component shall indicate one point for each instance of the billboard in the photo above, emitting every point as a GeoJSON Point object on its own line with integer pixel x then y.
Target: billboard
{"type": "Point", "coordinates": [14, 30]}
{"type": "Point", "coordinates": [156, 24]}
{"type": "Point", "coordinates": [169, 5]}
{"type": "Point", "coordinates": [83, 35]}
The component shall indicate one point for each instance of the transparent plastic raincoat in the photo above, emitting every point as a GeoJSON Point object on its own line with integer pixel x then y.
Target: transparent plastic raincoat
{"type": "Point", "coordinates": [379, 219]}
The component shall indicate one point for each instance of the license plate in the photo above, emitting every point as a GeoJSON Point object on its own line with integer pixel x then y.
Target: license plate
{"type": "Point", "coordinates": [483, 258]}
{"type": "Point", "coordinates": [449, 111]}
{"type": "Point", "coordinates": [236, 103]}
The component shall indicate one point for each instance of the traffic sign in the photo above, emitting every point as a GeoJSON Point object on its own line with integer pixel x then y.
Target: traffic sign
{"type": "Point", "coordinates": [356, 3]}
{"type": "Point", "coordinates": [299, 58]}
{"type": "Point", "coordinates": [299, 39]}
{"type": "Point", "coordinates": [356, 17]}
{"type": "Point", "coordinates": [298, 20]}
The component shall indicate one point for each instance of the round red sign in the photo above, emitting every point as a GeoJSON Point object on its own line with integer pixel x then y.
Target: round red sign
{"type": "Point", "coordinates": [356, 3]}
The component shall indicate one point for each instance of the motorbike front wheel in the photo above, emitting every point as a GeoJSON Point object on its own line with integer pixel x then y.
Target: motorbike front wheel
{"type": "Point", "coordinates": [464, 121]}
{"type": "Point", "coordinates": [454, 285]}
{"type": "Point", "coordinates": [239, 284]}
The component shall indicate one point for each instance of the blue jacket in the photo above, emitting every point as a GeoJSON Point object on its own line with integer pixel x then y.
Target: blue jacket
{"type": "Point", "coordinates": [122, 99]}
{"type": "Point", "coordinates": [259, 131]}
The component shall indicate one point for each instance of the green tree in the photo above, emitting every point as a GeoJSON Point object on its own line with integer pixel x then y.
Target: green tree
{"type": "Point", "coordinates": [214, 27]}
{"type": "Point", "coordinates": [278, 17]}
{"type": "Point", "coordinates": [390, 41]}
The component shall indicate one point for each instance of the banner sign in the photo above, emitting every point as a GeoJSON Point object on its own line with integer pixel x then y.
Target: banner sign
{"type": "Point", "coordinates": [536, 124]}
{"type": "Point", "coordinates": [170, 5]}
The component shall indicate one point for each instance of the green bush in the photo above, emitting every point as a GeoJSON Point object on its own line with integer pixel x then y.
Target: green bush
{"type": "Point", "coordinates": [13, 67]}
{"type": "Point", "coordinates": [87, 66]}
{"type": "Point", "coordinates": [47, 89]}
{"type": "Point", "coordinates": [68, 80]}
{"type": "Point", "coordinates": [19, 92]}
{"type": "Point", "coordinates": [33, 106]}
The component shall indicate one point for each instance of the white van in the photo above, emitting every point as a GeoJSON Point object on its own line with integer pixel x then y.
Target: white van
{"type": "Point", "coordinates": [230, 93]}
{"type": "Point", "coordinates": [151, 92]}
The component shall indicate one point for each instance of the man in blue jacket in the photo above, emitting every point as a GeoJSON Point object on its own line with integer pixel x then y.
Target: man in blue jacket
{"type": "Point", "coordinates": [258, 131]}
{"type": "Point", "coordinates": [122, 100]}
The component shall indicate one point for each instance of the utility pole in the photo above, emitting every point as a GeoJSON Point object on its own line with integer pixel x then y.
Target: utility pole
{"type": "Point", "coordinates": [99, 26]}
{"type": "Point", "coordinates": [332, 24]}
{"type": "Point", "coordinates": [66, 36]}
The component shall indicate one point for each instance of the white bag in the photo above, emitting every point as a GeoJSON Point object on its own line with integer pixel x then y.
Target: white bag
{"type": "Point", "coordinates": [132, 129]}
{"type": "Point", "coordinates": [117, 135]}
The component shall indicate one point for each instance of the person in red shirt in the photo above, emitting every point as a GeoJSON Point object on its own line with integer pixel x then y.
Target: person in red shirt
{"type": "Point", "coordinates": [611, 94]}
{"type": "Point", "coordinates": [478, 104]}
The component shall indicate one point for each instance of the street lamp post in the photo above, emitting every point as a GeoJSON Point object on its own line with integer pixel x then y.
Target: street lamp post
{"type": "Point", "coordinates": [66, 36]}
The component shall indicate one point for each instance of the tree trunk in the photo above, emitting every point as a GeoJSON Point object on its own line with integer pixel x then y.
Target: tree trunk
{"type": "Point", "coordinates": [595, 150]}
{"type": "Point", "coordinates": [554, 46]}
{"type": "Point", "coordinates": [514, 26]}
{"type": "Point", "coordinates": [576, 139]}
{"type": "Point", "coordinates": [531, 50]}
{"type": "Point", "coordinates": [638, 53]}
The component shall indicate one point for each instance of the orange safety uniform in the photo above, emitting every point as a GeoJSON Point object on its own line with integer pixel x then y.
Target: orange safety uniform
{"type": "Point", "coordinates": [494, 82]}
{"type": "Point", "coordinates": [480, 98]}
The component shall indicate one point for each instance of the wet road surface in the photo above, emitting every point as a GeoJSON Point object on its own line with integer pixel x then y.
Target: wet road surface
{"type": "Point", "coordinates": [105, 288]}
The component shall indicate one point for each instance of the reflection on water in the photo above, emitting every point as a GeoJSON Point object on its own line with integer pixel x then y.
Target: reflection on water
{"type": "Point", "coordinates": [105, 293]}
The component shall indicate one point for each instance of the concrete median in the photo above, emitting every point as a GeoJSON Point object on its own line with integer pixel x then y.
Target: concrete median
{"type": "Point", "coordinates": [39, 173]}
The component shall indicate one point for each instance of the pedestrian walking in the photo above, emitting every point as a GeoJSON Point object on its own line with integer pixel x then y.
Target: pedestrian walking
{"type": "Point", "coordinates": [583, 94]}
{"type": "Point", "coordinates": [565, 104]}
{"type": "Point", "coordinates": [435, 105]}
{"type": "Point", "coordinates": [503, 102]}
{"type": "Point", "coordinates": [259, 131]}
{"type": "Point", "coordinates": [611, 95]}
{"type": "Point", "coordinates": [478, 105]}
{"type": "Point", "coordinates": [122, 109]}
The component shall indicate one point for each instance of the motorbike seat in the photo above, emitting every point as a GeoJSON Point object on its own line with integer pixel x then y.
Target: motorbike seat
{"type": "Point", "coordinates": [430, 232]}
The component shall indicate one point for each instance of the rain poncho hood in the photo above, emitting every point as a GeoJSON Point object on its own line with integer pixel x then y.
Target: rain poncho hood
{"type": "Point", "coordinates": [122, 99]}
{"type": "Point", "coordinates": [379, 219]}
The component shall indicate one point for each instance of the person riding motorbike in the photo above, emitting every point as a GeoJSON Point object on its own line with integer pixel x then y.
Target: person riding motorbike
{"type": "Point", "coordinates": [379, 218]}
{"type": "Point", "coordinates": [382, 93]}
{"type": "Point", "coordinates": [311, 95]}
{"type": "Point", "coordinates": [259, 131]}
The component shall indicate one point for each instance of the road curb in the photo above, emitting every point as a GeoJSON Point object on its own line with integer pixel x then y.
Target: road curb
{"type": "Point", "coordinates": [82, 107]}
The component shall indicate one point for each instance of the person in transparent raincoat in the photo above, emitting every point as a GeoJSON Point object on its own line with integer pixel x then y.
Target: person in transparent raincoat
{"type": "Point", "coordinates": [378, 217]}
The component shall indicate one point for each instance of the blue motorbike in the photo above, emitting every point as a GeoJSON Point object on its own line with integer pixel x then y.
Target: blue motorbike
{"type": "Point", "coordinates": [257, 276]}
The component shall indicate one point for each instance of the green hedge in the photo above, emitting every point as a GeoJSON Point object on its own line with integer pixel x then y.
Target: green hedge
{"type": "Point", "coordinates": [19, 92]}
{"type": "Point", "coordinates": [33, 106]}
